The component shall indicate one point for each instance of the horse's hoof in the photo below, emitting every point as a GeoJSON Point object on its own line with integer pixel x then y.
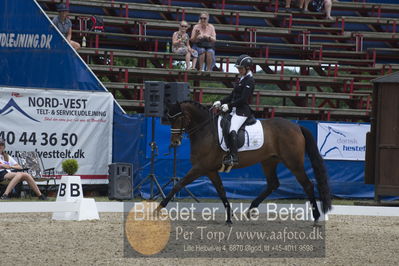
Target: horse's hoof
{"type": "Point", "coordinates": [229, 223]}
{"type": "Point", "coordinates": [316, 223]}
{"type": "Point", "coordinates": [249, 213]}
{"type": "Point", "coordinates": [158, 209]}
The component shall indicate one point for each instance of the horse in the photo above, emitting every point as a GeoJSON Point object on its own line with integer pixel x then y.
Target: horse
{"type": "Point", "coordinates": [286, 143]}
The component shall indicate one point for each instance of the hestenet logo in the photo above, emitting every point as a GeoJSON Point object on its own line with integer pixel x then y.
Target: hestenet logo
{"type": "Point", "coordinates": [329, 146]}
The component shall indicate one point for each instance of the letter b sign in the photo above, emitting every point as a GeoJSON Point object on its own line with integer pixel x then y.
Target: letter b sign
{"type": "Point", "coordinates": [62, 190]}
{"type": "Point", "coordinates": [70, 188]}
{"type": "Point", "coordinates": [75, 191]}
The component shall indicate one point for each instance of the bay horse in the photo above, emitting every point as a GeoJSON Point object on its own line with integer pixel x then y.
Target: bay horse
{"type": "Point", "coordinates": [284, 142]}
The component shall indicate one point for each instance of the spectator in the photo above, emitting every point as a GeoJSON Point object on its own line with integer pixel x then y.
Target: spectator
{"type": "Point", "coordinates": [203, 38]}
{"type": "Point", "coordinates": [327, 8]}
{"type": "Point", "coordinates": [181, 45]}
{"type": "Point", "coordinates": [317, 5]}
{"type": "Point", "coordinates": [7, 167]}
{"type": "Point", "coordinates": [288, 4]}
{"type": "Point", "coordinates": [64, 25]}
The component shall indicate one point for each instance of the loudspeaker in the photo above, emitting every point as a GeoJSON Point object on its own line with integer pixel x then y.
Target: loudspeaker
{"type": "Point", "coordinates": [154, 98]}
{"type": "Point", "coordinates": [174, 92]}
{"type": "Point", "coordinates": [120, 186]}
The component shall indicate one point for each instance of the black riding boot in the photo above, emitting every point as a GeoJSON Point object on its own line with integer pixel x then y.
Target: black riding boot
{"type": "Point", "coordinates": [233, 147]}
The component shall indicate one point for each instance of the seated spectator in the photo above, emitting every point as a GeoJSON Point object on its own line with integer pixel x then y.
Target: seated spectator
{"type": "Point", "coordinates": [181, 45]}
{"type": "Point", "coordinates": [7, 171]}
{"type": "Point", "coordinates": [288, 4]}
{"type": "Point", "coordinates": [327, 8]}
{"type": "Point", "coordinates": [64, 25]}
{"type": "Point", "coordinates": [317, 5]}
{"type": "Point", "coordinates": [203, 38]}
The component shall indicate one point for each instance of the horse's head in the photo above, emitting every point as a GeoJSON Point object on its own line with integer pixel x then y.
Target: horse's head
{"type": "Point", "coordinates": [178, 122]}
{"type": "Point", "coordinates": [187, 116]}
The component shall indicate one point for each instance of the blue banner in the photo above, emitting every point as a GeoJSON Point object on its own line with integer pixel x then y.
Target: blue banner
{"type": "Point", "coordinates": [29, 39]}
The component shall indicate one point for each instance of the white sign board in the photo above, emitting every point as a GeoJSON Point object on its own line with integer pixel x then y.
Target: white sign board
{"type": "Point", "coordinates": [342, 141]}
{"type": "Point", "coordinates": [60, 125]}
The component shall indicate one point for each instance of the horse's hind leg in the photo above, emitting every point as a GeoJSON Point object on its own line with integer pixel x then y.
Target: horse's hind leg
{"type": "Point", "coordinates": [217, 182]}
{"type": "Point", "coordinates": [269, 168]}
{"type": "Point", "coordinates": [308, 187]}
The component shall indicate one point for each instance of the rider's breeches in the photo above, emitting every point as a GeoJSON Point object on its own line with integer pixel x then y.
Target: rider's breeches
{"type": "Point", "coordinates": [236, 121]}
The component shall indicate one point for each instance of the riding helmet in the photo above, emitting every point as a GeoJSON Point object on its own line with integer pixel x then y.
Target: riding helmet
{"type": "Point", "coordinates": [62, 7]}
{"type": "Point", "coordinates": [244, 61]}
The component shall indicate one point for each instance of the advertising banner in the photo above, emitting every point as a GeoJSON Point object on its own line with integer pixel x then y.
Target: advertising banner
{"type": "Point", "coordinates": [60, 125]}
{"type": "Point", "coordinates": [342, 141]}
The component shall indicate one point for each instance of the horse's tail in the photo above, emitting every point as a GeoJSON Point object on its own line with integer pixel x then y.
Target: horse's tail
{"type": "Point", "coordinates": [319, 169]}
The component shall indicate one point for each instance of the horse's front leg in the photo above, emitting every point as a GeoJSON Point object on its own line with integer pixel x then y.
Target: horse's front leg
{"type": "Point", "coordinates": [187, 179]}
{"type": "Point", "coordinates": [217, 182]}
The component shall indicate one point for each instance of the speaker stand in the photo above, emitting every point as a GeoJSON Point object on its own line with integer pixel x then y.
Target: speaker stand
{"type": "Point", "coordinates": [176, 179]}
{"type": "Point", "coordinates": [151, 177]}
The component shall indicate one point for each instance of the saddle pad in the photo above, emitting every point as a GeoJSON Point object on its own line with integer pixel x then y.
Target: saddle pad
{"type": "Point", "coordinates": [255, 133]}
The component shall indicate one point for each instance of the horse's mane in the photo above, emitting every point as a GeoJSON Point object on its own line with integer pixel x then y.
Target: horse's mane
{"type": "Point", "coordinates": [199, 106]}
{"type": "Point", "coordinates": [196, 104]}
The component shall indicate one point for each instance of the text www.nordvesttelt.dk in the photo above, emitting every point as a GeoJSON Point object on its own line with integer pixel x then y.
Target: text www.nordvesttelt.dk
{"type": "Point", "coordinates": [56, 154]}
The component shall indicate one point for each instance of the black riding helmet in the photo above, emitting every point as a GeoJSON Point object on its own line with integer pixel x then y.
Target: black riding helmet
{"type": "Point", "coordinates": [244, 61]}
{"type": "Point", "coordinates": [62, 7]}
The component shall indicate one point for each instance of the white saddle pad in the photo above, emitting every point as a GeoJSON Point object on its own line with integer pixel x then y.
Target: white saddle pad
{"type": "Point", "coordinates": [255, 133]}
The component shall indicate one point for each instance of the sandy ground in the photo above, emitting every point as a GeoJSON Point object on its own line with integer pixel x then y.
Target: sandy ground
{"type": "Point", "coordinates": [34, 239]}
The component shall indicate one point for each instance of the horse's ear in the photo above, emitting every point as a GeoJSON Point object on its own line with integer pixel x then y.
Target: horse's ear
{"type": "Point", "coordinates": [173, 108]}
{"type": "Point", "coordinates": [168, 106]}
{"type": "Point", "coordinates": [177, 106]}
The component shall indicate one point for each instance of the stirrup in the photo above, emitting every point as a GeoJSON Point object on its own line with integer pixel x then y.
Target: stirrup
{"type": "Point", "coordinates": [229, 160]}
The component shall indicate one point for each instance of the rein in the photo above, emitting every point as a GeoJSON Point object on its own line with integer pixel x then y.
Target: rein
{"type": "Point", "coordinates": [195, 128]}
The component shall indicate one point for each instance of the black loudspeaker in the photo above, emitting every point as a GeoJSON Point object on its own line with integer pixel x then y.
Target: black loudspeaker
{"type": "Point", "coordinates": [174, 92]}
{"type": "Point", "coordinates": [154, 98]}
{"type": "Point", "coordinates": [120, 186]}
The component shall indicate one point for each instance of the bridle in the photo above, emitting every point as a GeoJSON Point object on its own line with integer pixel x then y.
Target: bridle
{"type": "Point", "coordinates": [184, 124]}
{"type": "Point", "coordinates": [182, 128]}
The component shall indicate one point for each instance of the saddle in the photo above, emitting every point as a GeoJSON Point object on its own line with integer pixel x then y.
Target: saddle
{"type": "Point", "coordinates": [225, 124]}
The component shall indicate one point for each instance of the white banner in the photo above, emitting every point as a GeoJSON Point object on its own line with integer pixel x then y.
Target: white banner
{"type": "Point", "coordinates": [60, 125]}
{"type": "Point", "coordinates": [342, 141]}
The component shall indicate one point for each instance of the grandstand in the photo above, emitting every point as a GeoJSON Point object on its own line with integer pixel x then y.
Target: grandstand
{"type": "Point", "coordinates": [307, 67]}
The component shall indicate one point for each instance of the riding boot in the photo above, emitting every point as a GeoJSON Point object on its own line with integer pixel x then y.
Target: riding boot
{"type": "Point", "coordinates": [233, 147]}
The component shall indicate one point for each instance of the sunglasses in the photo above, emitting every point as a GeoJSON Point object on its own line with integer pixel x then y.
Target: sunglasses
{"type": "Point", "coordinates": [183, 26]}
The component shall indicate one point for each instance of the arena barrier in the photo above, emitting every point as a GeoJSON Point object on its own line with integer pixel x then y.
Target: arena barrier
{"type": "Point", "coordinates": [120, 207]}
{"type": "Point", "coordinates": [70, 204]}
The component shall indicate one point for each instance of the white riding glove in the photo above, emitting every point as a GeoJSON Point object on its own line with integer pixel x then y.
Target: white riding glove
{"type": "Point", "coordinates": [225, 107]}
{"type": "Point", "coordinates": [216, 104]}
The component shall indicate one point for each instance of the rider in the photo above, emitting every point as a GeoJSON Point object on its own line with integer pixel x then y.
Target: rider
{"type": "Point", "coordinates": [238, 103]}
